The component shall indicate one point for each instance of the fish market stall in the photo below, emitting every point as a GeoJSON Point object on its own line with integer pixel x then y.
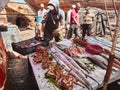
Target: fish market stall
{"type": "Point", "coordinates": [70, 66]}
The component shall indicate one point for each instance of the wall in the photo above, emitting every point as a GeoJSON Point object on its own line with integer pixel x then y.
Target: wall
{"type": "Point", "coordinates": [13, 11]}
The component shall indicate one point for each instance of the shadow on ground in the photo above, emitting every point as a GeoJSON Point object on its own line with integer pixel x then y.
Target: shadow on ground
{"type": "Point", "coordinates": [19, 77]}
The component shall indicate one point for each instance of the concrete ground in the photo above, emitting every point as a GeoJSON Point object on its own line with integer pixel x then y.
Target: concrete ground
{"type": "Point", "coordinates": [19, 77]}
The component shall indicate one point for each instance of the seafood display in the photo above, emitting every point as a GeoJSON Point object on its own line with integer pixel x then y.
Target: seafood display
{"type": "Point", "coordinates": [72, 67]}
{"type": "Point", "coordinates": [41, 55]}
{"type": "Point", "coordinates": [75, 51]}
{"type": "Point", "coordinates": [55, 70]}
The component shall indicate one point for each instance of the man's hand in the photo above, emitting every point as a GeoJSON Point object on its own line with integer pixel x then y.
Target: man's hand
{"type": "Point", "coordinates": [55, 32]}
{"type": "Point", "coordinates": [78, 24]}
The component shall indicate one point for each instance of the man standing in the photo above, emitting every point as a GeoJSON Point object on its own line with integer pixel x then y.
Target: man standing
{"type": "Point", "coordinates": [69, 17]}
{"type": "Point", "coordinates": [40, 16]}
{"type": "Point", "coordinates": [74, 22]}
{"type": "Point", "coordinates": [87, 22]}
{"type": "Point", "coordinates": [42, 11]}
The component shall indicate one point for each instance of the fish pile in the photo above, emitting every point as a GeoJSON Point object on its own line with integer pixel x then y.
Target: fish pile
{"type": "Point", "coordinates": [42, 54]}
{"type": "Point", "coordinates": [102, 48]}
{"type": "Point", "coordinates": [68, 68]}
{"type": "Point", "coordinates": [62, 78]}
{"type": "Point", "coordinates": [69, 63]}
{"type": "Point", "coordinates": [75, 51]}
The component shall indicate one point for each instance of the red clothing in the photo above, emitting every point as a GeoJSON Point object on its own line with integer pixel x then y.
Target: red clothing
{"type": "Point", "coordinates": [74, 14]}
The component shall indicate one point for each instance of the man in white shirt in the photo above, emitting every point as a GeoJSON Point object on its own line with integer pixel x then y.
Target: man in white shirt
{"type": "Point", "coordinates": [42, 11]}
{"type": "Point", "coordinates": [40, 16]}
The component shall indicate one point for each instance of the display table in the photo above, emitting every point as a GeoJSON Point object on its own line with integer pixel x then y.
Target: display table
{"type": "Point", "coordinates": [38, 72]}
{"type": "Point", "coordinates": [43, 83]}
{"type": "Point", "coordinates": [97, 74]}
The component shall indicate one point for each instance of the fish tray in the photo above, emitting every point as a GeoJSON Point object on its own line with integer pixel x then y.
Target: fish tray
{"type": "Point", "coordinates": [26, 47]}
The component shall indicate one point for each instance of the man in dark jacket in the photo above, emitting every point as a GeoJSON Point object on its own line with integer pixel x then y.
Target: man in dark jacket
{"type": "Point", "coordinates": [53, 21]}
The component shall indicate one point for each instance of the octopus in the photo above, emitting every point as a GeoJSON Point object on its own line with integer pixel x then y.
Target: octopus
{"type": "Point", "coordinates": [56, 73]}
{"type": "Point", "coordinates": [41, 54]}
{"type": "Point", "coordinates": [47, 63]}
{"type": "Point", "coordinates": [68, 80]}
{"type": "Point", "coordinates": [37, 58]}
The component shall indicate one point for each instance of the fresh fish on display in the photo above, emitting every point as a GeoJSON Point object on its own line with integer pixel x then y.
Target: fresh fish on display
{"type": "Point", "coordinates": [93, 41]}
{"type": "Point", "coordinates": [66, 68]}
{"type": "Point", "coordinates": [77, 72]}
{"type": "Point", "coordinates": [73, 63]}
{"type": "Point", "coordinates": [82, 65]}
{"type": "Point", "coordinates": [100, 58]}
{"type": "Point", "coordinates": [106, 42]}
{"type": "Point", "coordinates": [100, 42]}
{"type": "Point", "coordinates": [62, 46]}
{"type": "Point", "coordinates": [116, 62]}
{"type": "Point", "coordinates": [97, 62]}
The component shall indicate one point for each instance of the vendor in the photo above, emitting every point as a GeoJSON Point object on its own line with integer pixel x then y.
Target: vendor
{"type": "Point", "coordinates": [53, 22]}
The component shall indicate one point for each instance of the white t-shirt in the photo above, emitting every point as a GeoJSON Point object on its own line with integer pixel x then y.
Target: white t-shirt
{"type": "Point", "coordinates": [42, 13]}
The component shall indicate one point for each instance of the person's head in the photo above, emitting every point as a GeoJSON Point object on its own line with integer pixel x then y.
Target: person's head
{"type": "Point", "coordinates": [73, 6]}
{"type": "Point", "coordinates": [87, 9]}
{"type": "Point", "coordinates": [53, 6]}
{"type": "Point", "coordinates": [41, 5]}
{"type": "Point", "coordinates": [50, 7]}
{"type": "Point", "coordinates": [78, 6]}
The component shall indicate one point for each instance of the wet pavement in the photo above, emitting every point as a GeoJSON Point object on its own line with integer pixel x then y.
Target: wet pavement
{"type": "Point", "coordinates": [19, 77]}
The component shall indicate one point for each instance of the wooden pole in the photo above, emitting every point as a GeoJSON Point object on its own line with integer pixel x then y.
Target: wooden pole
{"type": "Point", "coordinates": [108, 18]}
{"type": "Point", "coordinates": [111, 56]}
{"type": "Point", "coordinates": [114, 6]}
